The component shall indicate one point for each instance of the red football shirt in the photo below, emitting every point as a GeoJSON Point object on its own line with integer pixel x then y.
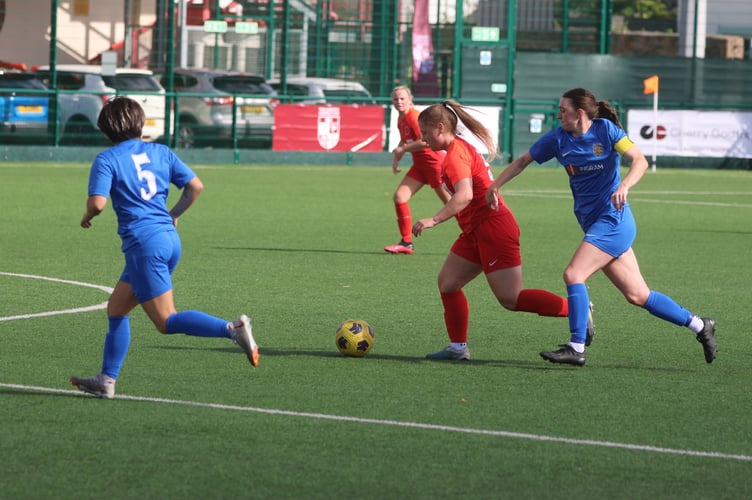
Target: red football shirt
{"type": "Point", "coordinates": [463, 161]}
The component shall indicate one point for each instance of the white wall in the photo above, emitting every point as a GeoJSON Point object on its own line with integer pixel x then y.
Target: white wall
{"type": "Point", "coordinates": [726, 16]}
{"type": "Point", "coordinates": [25, 34]}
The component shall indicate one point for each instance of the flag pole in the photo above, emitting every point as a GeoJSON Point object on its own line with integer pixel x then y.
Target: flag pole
{"type": "Point", "coordinates": [655, 127]}
{"type": "Point", "coordinates": [651, 85]}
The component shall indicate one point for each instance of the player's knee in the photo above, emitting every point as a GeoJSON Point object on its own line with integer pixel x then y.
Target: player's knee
{"type": "Point", "coordinates": [448, 285]}
{"type": "Point", "coordinates": [637, 298]}
{"type": "Point", "coordinates": [508, 303]}
{"type": "Point", "coordinates": [161, 326]}
{"type": "Point", "coordinates": [570, 276]}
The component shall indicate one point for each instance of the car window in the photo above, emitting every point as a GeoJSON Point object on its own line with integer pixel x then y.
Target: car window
{"type": "Point", "coordinates": [65, 81]}
{"type": "Point", "coordinates": [179, 81]}
{"type": "Point", "coordinates": [345, 94]}
{"type": "Point", "coordinates": [242, 85]}
{"type": "Point", "coordinates": [190, 81]}
{"type": "Point", "coordinates": [20, 81]}
{"type": "Point", "coordinates": [292, 90]}
{"type": "Point", "coordinates": [126, 82]}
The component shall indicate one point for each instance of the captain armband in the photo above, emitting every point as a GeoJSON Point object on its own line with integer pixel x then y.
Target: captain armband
{"type": "Point", "coordinates": [623, 145]}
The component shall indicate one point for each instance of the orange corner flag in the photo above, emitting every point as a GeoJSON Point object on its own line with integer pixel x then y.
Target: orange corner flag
{"type": "Point", "coordinates": [651, 85]}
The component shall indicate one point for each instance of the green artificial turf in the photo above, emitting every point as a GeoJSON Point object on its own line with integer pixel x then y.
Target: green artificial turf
{"type": "Point", "coordinates": [300, 249]}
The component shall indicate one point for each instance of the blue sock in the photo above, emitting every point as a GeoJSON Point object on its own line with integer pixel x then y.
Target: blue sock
{"type": "Point", "coordinates": [578, 302]}
{"type": "Point", "coordinates": [664, 307]}
{"type": "Point", "coordinates": [116, 345]}
{"type": "Point", "coordinates": [198, 324]}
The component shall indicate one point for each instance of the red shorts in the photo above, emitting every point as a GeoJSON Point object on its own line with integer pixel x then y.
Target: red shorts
{"type": "Point", "coordinates": [426, 174]}
{"type": "Point", "coordinates": [494, 244]}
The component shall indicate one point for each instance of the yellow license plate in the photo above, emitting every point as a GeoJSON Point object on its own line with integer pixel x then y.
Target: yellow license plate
{"type": "Point", "coordinates": [256, 110]}
{"type": "Point", "coordinates": [150, 122]}
{"type": "Point", "coordinates": [29, 109]}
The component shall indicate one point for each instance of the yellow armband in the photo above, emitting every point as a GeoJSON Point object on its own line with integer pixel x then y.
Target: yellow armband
{"type": "Point", "coordinates": [623, 145]}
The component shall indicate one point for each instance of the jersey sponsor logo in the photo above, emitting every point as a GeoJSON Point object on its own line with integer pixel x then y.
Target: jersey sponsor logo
{"type": "Point", "coordinates": [328, 127]}
{"type": "Point", "coordinates": [572, 170]}
{"type": "Point", "coordinates": [592, 167]}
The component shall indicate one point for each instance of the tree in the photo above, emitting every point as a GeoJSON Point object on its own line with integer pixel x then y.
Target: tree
{"type": "Point", "coordinates": [645, 9]}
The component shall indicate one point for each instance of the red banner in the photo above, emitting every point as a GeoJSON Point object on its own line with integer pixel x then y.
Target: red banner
{"type": "Point", "coordinates": [425, 81]}
{"type": "Point", "coordinates": [299, 127]}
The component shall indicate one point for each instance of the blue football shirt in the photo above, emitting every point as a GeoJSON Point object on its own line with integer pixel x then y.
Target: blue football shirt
{"type": "Point", "coordinates": [592, 163]}
{"type": "Point", "coordinates": [137, 175]}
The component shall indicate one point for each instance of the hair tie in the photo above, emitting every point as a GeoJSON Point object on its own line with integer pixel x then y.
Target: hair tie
{"type": "Point", "coordinates": [450, 108]}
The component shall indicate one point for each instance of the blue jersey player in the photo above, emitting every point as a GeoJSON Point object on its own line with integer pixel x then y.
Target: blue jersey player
{"type": "Point", "coordinates": [589, 144]}
{"type": "Point", "coordinates": [137, 175]}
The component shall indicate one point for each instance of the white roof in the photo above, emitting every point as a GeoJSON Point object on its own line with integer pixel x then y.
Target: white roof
{"type": "Point", "coordinates": [95, 69]}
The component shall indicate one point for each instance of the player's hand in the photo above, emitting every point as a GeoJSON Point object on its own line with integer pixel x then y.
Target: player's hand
{"type": "Point", "coordinates": [398, 153]}
{"type": "Point", "coordinates": [395, 166]}
{"type": "Point", "coordinates": [619, 197]}
{"type": "Point", "coordinates": [86, 221]}
{"type": "Point", "coordinates": [492, 198]}
{"type": "Point", "coordinates": [422, 225]}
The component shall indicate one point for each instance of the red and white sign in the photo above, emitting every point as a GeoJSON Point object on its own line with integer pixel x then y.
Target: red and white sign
{"type": "Point", "coordinates": [305, 127]}
{"type": "Point", "coordinates": [711, 134]}
{"type": "Point", "coordinates": [488, 116]}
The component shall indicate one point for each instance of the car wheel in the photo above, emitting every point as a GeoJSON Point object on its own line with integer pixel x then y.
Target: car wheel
{"type": "Point", "coordinates": [186, 135]}
{"type": "Point", "coordinates": [80, 133]}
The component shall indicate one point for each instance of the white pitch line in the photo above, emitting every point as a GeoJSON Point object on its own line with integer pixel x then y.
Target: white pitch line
{"type": "Point", "coordinates": [413, 425]}
{"type": "Point", "coordinates": [95, 307]}
{"type": "Point", "coordinates": [639, 192]}
{"type": "Point", "coordinates": [634, 199]}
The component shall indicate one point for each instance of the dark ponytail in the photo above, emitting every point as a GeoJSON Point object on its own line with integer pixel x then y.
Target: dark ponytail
{"type": "Point", "coordinates": [585, 100]}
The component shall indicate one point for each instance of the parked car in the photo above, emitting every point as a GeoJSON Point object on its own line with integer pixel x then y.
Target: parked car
{"type": "Point", "coordinates": [313, 90]}
{"type": "Point", "coordinates": [24, 106]}
{"type": "Point", "coordinates": [206, 98]}
{"type": "Point", "coordinates": [84, 90]}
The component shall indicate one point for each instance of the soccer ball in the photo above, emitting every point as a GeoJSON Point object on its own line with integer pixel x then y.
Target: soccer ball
{"type": "Point", "coordinates": [354, 337]}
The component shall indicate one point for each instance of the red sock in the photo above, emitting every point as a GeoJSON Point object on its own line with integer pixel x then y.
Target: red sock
{"type": "Point", "coordinates": [456, 314]}
{"type": "Point", "coordinates": [542, 302]}
{"type": "Point", "coordinates": [404, 221]}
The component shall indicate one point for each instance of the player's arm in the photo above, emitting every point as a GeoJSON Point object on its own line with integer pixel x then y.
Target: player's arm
{"type": "Point", "coordinates": [403, 148]}
{"type": "Point", "coordinates": [95, 204]}
{"type": "Point", "coordinates": [463, 195]}
{"type": "Point", "coordinates": [187, 197]}
{"type": "Point", "coordinates": [638, 165]}
{"type": "Point", "coordinates": [510, 172]}
{"type": "Point", "coordinates": [413, 146]}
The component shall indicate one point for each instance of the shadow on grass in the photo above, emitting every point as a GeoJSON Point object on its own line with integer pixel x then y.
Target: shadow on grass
{"type": "Point", "coordinates": [72, 392]}
{"type": "Point", "coordinates": [272, 352]}
{"type": "Point", "coordinates": [502, 363]}
{"type": "Point", "coordinates": [321, 250]}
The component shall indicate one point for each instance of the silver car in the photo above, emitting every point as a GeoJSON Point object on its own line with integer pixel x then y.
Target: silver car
{"type": "Point", "coordinates": [84, 90]}
{"type": "Point", "coordinates": [205, 102]}
{"type": "Point", "coordinates": [316, 90]}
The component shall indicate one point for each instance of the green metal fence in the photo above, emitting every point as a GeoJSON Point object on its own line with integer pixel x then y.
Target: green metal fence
{"type": "Point", "coordinates": [516, 56]}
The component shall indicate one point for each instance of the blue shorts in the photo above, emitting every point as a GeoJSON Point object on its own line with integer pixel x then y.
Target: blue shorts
{"type": "Point", "coordinates": [614, 232]}
{"type": "Point", "coordinates": [148, 266]}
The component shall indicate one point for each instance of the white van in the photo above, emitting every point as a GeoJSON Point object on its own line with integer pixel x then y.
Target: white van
{"type": "Point", "coordinates": [84, 90]}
